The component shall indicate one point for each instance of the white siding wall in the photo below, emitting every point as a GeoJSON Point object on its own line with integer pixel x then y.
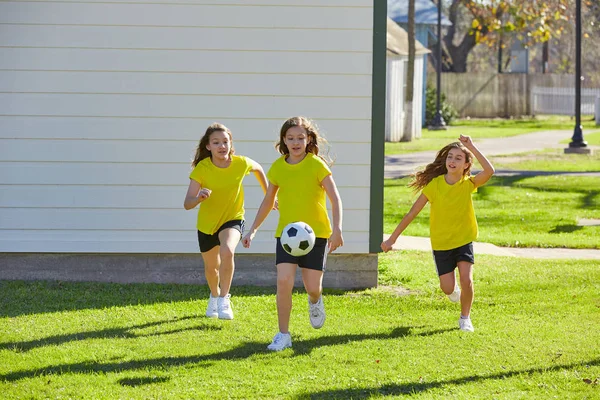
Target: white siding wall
{"type": "Point", "coordinates": [102, 104]}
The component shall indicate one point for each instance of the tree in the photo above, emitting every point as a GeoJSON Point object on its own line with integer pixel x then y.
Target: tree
{"type": "Point", "coordinates": [408, 133]}
{"type": "Point", "coordinates": [493, 21]}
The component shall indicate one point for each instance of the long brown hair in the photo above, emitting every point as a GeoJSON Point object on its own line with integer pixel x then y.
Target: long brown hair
{"type": "Point", "coordinates": [315, 143]}
{"type": "Point", "coordinates": [201, 151]}
{"type": "Point", "coordinates": [438, 166]}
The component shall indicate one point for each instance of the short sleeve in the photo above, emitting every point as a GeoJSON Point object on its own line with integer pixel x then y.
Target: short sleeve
{"type": "Point", "coordinates": [323, 170]}
{"type": "Point", "coordinates": [247, 164]}
{"type": "Point", "coordinates": [196, 173]}
{"type": "Point", "coordinates": [272, 174]}
{"type": "Point", "coordinates": [473, 187]}
{"type": "Point", "coordinates": [429, 191]}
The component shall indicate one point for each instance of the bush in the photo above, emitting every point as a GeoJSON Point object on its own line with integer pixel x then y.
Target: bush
{"type": "Point", "coordinates": [448, 111]}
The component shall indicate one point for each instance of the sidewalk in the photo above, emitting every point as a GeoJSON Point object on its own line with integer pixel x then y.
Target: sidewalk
{"type": "Point", "coordinates": [407, 164]}
{"type": "Point", "coordinates": [423, 244]}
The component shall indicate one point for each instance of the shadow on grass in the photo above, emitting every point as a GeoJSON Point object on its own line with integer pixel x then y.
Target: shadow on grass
{"type": "Point", "coordinates": [134, 382]}
{"type": "Point", "coordinates": [395, 389]}
{"type": "Point", "coordinates": [246, 350]}
{"type": "Point", "coordinates": [127, 332]}
{"type": "Point", "coordinates": [588, 195]}
{"type": "Point", "coordinates": [568, 228]}
{"type": "Point", "coordinates": [36, 297]}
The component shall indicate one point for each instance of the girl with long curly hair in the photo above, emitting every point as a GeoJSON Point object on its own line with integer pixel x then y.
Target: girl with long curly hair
{"type": "Point", "coordinates": [216, 184]}
{"type": "Point", "coordinates": [447, 184]}
{"type": "Point", "coordinates": [301, 179]}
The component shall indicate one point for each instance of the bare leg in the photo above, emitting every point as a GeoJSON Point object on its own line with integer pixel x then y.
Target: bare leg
{"type": "Point", "coordinates": [286, 274]}
{"type": "Point", "coordinates": [313, 283]}
{"type": "Point", "coordinates": [448, 282]}
{"type": "Point", "coordinates": [212, 261]}
{"type": "Point", "coordinates": [229, 238]}
{"type": "Point", "coordinates": [465, 270]}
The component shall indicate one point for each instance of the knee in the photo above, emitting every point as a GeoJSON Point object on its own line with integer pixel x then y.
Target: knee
{"type": "Point", "coordinates": [285, 282]}
{"type": "Point", "coordinates": [447, 288]}
{"type": "Point", "coordinates": [466, 282]}
{"type": "Point", "coordinates": [313, 291]}
{"type": "Point", "coordinates": [226, 253]}
{"type": "Point", "coordinates": [211, 269]}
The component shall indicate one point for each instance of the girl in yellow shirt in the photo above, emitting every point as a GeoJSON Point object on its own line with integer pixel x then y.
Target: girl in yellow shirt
{"type": "Point", "coordinates": [447, 184]}
{"type": "Point", "coordinates": [216, 184]}
{"type": "Point", "coordinates": [300, 179]}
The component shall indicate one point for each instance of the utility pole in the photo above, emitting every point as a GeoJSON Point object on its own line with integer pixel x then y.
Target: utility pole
{"type": "Point", "coordinates": [438, 122]}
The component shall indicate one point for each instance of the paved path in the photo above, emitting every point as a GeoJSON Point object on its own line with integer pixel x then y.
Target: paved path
{"type": "Point", "coordinates": [422, 243]}
{"type": "Point", "coordinates": [407, 164]}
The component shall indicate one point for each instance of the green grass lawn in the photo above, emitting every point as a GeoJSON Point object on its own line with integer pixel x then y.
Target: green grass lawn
{"type": "Point", "coordinates": [517, 211]}
{"type": "Point", "coordinates": [488, 128]}
{"type": "Point", "coordinates": [537, 336]}
{"type": "Point", "coordinates": [553, 159]}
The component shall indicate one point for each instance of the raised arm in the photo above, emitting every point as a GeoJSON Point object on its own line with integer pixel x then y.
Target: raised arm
{"type": "Point", "coordinates": [336, 240]}
{"type": "Point", "coordinates": [195, 195]}
{"type": "Point", "coordinates": [416, 208]}
{"type": "Point", "coordinates": [263, 211]}
{"type": "Point", "coordinates": [260, 175]}
{"type": "Point", "coordinates": [488, 169]}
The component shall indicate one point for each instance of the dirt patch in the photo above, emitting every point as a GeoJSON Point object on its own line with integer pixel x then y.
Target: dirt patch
{"type": "Point", "coordinates": [397, 291]}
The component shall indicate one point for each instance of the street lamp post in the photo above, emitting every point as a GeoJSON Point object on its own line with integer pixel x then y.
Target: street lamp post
{"type": "Point", "coordinates": [438, 122]}
{"type": "Point", "coordinates": [577, 141]}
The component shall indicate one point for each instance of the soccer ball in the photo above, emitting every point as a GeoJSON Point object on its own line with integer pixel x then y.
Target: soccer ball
{"type": "Point", "coordinates": [297, 239]}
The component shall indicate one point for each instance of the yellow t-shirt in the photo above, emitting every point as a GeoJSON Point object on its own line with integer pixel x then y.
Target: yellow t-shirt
{"type": "Point", "coordinates": [301, 196]}
{"type": "Point", "coordinates": [452, 221]}
{"type": "Point", "coordinates": [226, 201]}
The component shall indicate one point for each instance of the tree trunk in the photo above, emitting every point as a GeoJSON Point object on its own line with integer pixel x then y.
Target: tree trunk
{"type": "Point", "coordinates": [459, 53]}
{"type": "Point", "coordinates": [409, 132]}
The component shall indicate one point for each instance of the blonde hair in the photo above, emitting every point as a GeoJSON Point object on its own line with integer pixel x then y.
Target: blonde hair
{"type": "Point", "coordinates": [438, 166]}
{"type": "Point", "coordinates": [316, 143]}
{"type": "Point", "coordinates": [201, 151]}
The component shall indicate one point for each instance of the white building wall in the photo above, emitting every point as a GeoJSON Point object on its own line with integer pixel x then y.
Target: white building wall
{"type": "Point", "coordinates": [395, 97]}
{"type": "Point", "coordinates": [102, 105]}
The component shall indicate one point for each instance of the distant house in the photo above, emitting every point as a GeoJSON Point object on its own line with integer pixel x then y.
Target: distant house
{"type": "Point", "coordinates": [426, 13]}
{"type": "Point", "coordinates": [397, 64]}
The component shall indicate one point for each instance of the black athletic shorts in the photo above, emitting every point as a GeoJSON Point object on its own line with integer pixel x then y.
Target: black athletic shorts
{"type": "Point", "coordinates": [315, 259]}
{"type": "Point", "coordinates": [207, 242]}
{"type": "Point", "coordinates": [447, 260]}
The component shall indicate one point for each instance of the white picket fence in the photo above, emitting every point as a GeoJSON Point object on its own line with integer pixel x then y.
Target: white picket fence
{"type": "Point", "coordinates": [561, 100]}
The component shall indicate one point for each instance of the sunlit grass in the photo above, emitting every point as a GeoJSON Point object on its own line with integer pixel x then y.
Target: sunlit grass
{"type": "Point", "coordinates": [536, 337]}
{"type": "Point", "coordinates": [518, 211]}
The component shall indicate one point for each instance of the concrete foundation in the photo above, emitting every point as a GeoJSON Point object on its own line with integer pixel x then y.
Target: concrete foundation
{"type": "Point", "coordinates": [344, 271]}
{"type": "Point", "coordinates": [579, 150]}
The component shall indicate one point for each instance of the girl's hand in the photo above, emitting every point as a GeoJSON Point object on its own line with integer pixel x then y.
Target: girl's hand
{"type": "Point", "coordinates": [247, 240]}
{"type": "Point", "coordinates": [466, 140]}
{"type": "Point", "coordinates": [386, 245]}
{"type": "Point", "coordinates": [336, 240]}
{"type": "Point", "coordinates": [204, 194]}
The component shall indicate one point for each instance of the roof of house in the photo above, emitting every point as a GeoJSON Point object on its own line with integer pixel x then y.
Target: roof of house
{"type": "Point", "coordinates": [397, 41]}
{"type": "Point", "coordinates": [426, 12]}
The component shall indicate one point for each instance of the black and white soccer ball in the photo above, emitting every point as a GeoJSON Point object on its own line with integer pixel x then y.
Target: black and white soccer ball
{"type": "Point", "coordinates": [298, 238]}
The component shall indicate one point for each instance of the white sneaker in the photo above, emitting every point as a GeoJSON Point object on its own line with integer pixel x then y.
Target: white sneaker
{"type": "Point", "coordinates": [454, 296]}
{"type": "Point", "coordinates": [211, 310]}
{"type": "Point", "coordinates": [224, 307]}
{"type": "Point", "coordinates": [280, 341]}
{"type": "Point", "coordinates": [316, 312]}
{"type": "Point", "coordinates": [466, 325]}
